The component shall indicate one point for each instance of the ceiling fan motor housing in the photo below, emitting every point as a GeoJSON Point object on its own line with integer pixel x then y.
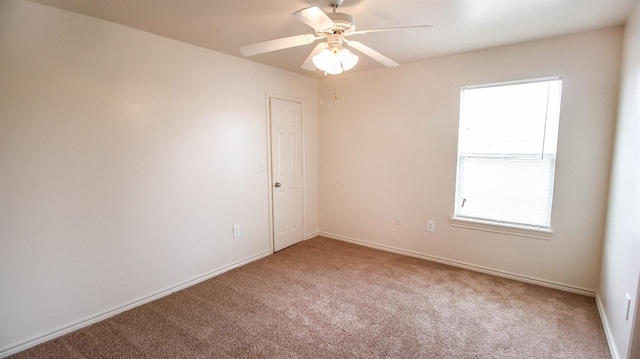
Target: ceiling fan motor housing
{"type": "Point", "coordinates": [345, 23]}
{"type": "Point", "coordinates": [334, 42]}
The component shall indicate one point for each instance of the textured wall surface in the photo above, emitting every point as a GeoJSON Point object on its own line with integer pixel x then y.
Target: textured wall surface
{"type": "Point", "coordinates": [125, 160]}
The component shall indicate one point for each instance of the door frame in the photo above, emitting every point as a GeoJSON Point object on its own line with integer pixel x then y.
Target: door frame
{"type": "Point", "coordinates": [268, 97]}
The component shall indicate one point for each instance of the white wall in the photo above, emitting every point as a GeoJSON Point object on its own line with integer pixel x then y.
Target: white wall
{"type": "Point", "coordinates": [388, 147]}
{"type": "Point", "coordinates": [621, 253]}
{"type": "Point", "coordinates": [125, 159]}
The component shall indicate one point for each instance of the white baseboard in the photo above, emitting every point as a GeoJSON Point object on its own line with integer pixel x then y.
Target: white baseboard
{"type": "Point", "coordinates": [15, 348]}
{"type": "Point", "coordinates": [472, 267]}
{"type": "Point", "coordinates": [312, 235]}
{"type": "Point", "coordinates": [607, 328]}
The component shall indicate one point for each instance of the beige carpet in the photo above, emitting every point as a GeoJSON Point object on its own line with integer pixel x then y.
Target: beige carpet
{"type": "Point", "coordinates": [329, 299]}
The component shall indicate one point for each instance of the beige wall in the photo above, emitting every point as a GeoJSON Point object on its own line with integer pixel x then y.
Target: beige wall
{"type": "Point", "coordinates": [621, 253]}
{"type": "Point", "coordinates": [388, 147]}
{"type": "Point", "coordinates": [125, 159]}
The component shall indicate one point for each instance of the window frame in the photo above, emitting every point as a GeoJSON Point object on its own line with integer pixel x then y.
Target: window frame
{"type": "Point", "coordinates": [497, 226]}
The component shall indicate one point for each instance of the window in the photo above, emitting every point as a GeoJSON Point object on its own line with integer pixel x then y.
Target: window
{"type": "Point", "coordinates": [507, 140]}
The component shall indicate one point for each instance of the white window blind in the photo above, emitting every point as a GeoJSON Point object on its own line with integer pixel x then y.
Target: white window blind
{"type": "Point", "coordinates": [507, 152]}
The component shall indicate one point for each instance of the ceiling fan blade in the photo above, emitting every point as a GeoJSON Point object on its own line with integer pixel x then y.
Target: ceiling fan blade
{"type": "Point", "coordinates": [372, 53]}
{"type": "Point", "coordinates": [315, 18]}
{"type": "Point", "coordinates": [277, 44]}
{"type": "Point", "coordinates": [388, 29]}
{"type": "Point", "coordinates": [308, 63]}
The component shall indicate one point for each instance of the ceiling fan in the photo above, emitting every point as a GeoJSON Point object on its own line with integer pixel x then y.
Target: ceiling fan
{"type": "Point", "coordinates": [329, 56]}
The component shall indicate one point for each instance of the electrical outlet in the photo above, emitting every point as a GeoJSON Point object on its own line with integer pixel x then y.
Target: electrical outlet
{"type": "Point", "coordinates": [236, 231]}
{"type": "Point", "coordinates": [627, 306]}
{"type": "Point", "coordinates": [431, 226]}
{"type": "Point", "coordinates": [398, 221]}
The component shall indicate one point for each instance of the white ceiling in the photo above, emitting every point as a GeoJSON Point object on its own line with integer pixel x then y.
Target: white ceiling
{"type": "Point", "coordinates": [459, 25]}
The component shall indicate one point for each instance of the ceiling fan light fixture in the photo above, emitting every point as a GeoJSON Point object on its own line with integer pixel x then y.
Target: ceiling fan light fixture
{"type": "Point", "coordinates": [347, 59]}
{"type": "Point", "coordinates": [328, 62]}
{"type": "Point", "coordinates": [323, 59]}
{"type": "Point", "coordinates": [334, 62]}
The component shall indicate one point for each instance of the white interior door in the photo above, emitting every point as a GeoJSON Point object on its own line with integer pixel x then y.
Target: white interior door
{"type": "Point", "coordinates": [286, 172]}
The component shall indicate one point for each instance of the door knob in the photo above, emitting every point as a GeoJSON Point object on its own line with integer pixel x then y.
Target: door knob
{"type": "Point", "coordinates": [278, 184]}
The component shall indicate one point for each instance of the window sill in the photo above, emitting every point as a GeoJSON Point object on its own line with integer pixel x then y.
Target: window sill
{"type": "Point", "coordinates": [538, 233]}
